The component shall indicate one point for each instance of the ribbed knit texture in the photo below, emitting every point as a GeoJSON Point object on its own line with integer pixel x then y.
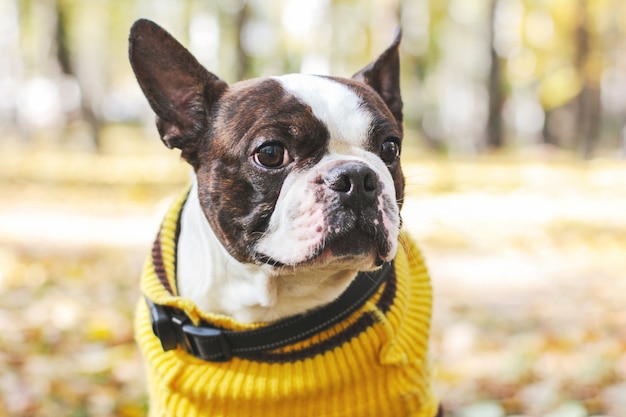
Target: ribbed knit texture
{"type": "Point", "coordinates": [372, 364]}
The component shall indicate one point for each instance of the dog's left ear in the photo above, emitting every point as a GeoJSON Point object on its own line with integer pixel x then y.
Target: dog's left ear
{"type": "Point", "coordinates": [383, 75]}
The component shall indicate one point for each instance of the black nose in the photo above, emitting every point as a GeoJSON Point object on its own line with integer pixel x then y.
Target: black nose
{"type": "Point", "coordinates": [355, 183]}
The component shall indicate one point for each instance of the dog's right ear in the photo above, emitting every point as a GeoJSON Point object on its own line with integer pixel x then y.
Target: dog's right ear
{"type": "Point", "coordinates": [180, 91]}
{"type": "Point", "coordinates": [383, 75]}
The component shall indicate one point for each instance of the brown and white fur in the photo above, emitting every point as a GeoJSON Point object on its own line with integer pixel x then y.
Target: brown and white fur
{"type": "Point", "coordinates": [297, 180]}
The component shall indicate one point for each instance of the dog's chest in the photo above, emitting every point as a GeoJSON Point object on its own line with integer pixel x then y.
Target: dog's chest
{"type": "Point", "coordinates": [371, 364]}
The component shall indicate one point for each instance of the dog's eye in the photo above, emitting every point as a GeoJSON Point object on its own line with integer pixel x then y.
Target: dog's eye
{"type": "Point", "coordinates": [272, 155]}
{"type": "Point", "coordinates": [389, 151]}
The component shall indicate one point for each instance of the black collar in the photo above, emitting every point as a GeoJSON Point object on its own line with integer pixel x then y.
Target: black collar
{"type": "Point", "coordinates": [174, 328]}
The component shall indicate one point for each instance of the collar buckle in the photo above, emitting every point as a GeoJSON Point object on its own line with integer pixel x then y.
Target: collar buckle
{"type": "Point", "coordinates": [204, 342]}
{"type": "Point", "coordinates": [162, 325]}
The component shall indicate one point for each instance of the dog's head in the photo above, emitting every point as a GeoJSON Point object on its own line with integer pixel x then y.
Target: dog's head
{"type": "Point", "coordinates": [295, 171]}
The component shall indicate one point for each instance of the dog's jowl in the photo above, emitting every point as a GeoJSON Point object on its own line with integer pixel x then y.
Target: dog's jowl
{"type": "Point", "coordinates": [280, 282]}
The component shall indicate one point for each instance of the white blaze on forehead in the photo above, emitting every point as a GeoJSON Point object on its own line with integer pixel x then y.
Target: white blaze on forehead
{"type": "Point", "coordinates": [335, 105]}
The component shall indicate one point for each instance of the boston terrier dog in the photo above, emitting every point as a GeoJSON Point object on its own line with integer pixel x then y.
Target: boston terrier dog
{"type": "Point", "coordinates": [280, 283]}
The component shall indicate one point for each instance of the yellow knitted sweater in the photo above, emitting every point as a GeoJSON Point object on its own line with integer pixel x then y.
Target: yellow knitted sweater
{"type": "Point", "coordinates": [372, 364]}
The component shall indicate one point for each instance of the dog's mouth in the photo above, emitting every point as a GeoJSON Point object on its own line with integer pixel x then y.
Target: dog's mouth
{"type": "Point", "coordinates": [268, 260]}
{"type": "Point", "coordinates": [370, 251]}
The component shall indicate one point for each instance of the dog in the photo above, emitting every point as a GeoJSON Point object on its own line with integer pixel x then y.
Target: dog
{"type": "Point", "coordinates": [281, 282]}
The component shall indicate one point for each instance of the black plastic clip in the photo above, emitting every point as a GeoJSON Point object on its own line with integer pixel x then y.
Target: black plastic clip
{"type": "Point", "coordinates": [162, 325]}
{"type": "Point", "coordinates": [207, 343]}
{"type": "Point", "coordinates": [174, 330]}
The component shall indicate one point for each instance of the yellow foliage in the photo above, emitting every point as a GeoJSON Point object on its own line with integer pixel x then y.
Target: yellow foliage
{"type": "Point", "coordinates": [601, 15]}
{"type": "Point", "coordinates": [99, 329]}
{"type": "Point", "coordinates": [559, 87]}
{"type": "Point", "coordinates": [565, 15]}
{"type": "Point", "coordinates": [131, 410]}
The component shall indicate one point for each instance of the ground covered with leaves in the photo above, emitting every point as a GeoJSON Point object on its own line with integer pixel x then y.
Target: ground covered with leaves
{"type": "Point", "coordinates": [527, 261]}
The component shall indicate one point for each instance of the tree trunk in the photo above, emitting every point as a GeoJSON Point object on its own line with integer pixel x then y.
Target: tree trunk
{"type": "Point", "coordinates": [495, 139]}
{"type": "Point", "coordinates": [63, 55]}
{"type": "Point", "coordinates": [588, 101]}
{"type": "Point", "coordinates": [242, 67]}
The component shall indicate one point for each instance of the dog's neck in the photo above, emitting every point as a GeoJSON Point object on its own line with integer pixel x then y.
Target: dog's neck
{"type": "Point", "coordinates": [208, 275]}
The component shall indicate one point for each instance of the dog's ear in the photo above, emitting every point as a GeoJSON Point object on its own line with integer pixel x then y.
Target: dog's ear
{"type": "Point", "coordinates": [383, 75]}
{"type": "Point", "coordinates": [180, 90]}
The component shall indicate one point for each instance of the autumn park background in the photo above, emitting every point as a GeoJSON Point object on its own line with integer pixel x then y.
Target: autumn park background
{"type": "Point", "coordinates": [514, 157]}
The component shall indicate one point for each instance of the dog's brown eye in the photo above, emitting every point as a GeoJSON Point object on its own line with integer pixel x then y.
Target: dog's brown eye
{"type": "Point", "coordinates": [272, 155]}
{"type": "Point", "coordinates": [389, 151]}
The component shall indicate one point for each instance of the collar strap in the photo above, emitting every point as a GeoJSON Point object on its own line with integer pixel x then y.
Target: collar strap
{"type": "Point", "coordinates": [174, 328]}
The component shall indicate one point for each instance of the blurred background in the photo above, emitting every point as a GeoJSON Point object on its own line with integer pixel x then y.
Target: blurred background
{"type": "Point", "coordinates": [514, 155]}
